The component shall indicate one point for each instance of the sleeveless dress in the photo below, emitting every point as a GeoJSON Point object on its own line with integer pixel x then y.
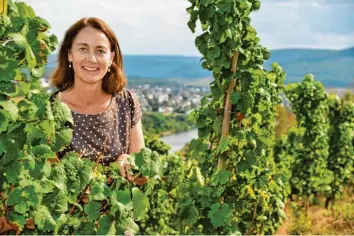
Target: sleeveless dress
{"type": "Point", "coordinates": [107, 132]}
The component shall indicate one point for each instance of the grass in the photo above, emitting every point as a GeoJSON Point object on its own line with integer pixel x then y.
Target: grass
{"type": "Point", "coordinates": [338, 220]}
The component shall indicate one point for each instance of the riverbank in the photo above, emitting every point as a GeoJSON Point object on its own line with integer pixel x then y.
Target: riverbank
{"type": "Point", "coordinates": [178, 140]}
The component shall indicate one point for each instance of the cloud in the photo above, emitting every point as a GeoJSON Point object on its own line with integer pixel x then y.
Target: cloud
{"type": "Point", "coordinates": [322, 2]}
{"type": "Point", "coordinates": [160, 26]}
{"type": "Point", "coordinates": [299, 24]}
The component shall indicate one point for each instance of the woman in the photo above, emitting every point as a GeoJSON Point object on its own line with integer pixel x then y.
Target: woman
{"type": "Point", "coordinates": [91, 82]}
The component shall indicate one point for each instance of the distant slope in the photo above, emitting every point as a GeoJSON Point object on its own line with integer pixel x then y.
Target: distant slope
{"type": "Point", "coordinates": [158, 67]}
{"type": "Point", "coordinates": [334, 68]}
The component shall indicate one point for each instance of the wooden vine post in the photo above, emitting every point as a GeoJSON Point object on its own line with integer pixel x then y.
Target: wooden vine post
{"type": "Point", "coordinates": [227, 109]}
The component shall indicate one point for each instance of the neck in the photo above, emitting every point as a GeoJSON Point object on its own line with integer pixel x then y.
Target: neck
{"type": "Point", "coordinates": [87, 94]}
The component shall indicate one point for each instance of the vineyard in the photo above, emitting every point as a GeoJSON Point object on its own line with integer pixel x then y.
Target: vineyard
{"type": "Point", "coordinates": [236, 178]}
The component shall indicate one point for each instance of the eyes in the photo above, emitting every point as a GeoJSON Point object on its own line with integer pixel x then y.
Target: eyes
{"type": "Point", "coordinates": [99, 51]}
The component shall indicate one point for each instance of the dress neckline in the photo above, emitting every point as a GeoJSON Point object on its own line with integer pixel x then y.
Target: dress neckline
{"type": "Point", "coordinates": [58, 96]}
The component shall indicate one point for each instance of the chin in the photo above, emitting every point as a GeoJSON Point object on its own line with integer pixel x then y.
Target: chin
{"type": "Point", "coordinates": [92, 80]}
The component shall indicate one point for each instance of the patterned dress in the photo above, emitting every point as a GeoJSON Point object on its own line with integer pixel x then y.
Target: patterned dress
{"type": "Point", "coordinates": [107, 132]}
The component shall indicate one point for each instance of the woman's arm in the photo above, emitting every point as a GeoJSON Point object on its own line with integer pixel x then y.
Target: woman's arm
{"type": "Point", "coordinates": [136, 138]}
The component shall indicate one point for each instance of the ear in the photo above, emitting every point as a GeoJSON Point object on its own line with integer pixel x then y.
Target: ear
{"type": "Point", "coordinates": [70, 56]}
{"type": "Point", "coordinates": [112, 57]}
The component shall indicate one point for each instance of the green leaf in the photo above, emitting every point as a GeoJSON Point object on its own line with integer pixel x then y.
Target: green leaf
{"type": "Point", "coordinates": [11, 150]}
{"type": "Point", "coordinates": [38, 72]}
{"type": "Point", "coordinates": [246, 103]}
{"type": "Point", "coordinates": [92, 210]}
{"type": "Point", "coordinates": [97, 191]}
{"type": "Point", "coordinates": [24, 29]}
{"type": "Point", "coordinates": [4, 120]}
{"type": "Point", "coordinates": [25, 87]}
{"type": "Point", "coordinates": [224, 144]}
{"type": "Point", "coordinates": [62, 114]}
{"type": "Point", "coordinates": [220, 177]}
{"type": "Point", "coordinates": [106, 226]}
{"type": "Point", "coordinates": [217, 125]}
{"type": "Point", "coordinates": [20, 220]}
{"type": "Point", "coordinates": [43, 151]}
{"type": "Point", "coordinates": [235, 97]}
{"type": "Point", "coordinates": [13, 171]}
{"type": "Point", "coordinates": [8, 88]}
{"type": "Point", "coordinates": [127, 225]}
{"type": "Point", "coordinates": [225, 176]}
{"type": "Point", "coordinates": [19, 40]}
{"type": "Point", "coordinates": [145, 163]}
{"type": "Point", "coordinates": [32, 197]}
{"type": "Point", "coordinates": [22, 9]}
{"type": "Point", "coordinates": [21, 207]}
{"type": "Point", "coordinates": [11, 108]}
{"type": "Point", "coordinates": [8, 70]}
{"type": "Point", "coordinates": [30, 57]}
{"type": "Point", "coordinates": [192, 22]}
{"type": "Point", "coordinates": [243, 166]}
{"type": "Point", "coordinates": [251, 157]}
{"type": "Point", "coordinates": [214, 53]}
{"type": "Point", "coordinates": [225, 7]}
{"type": "Point", "coordinates": [219, 214]}
{"type": "Point", "coordinates": [86, 229]}
{"type": "Point", "coordinates": [42, 168]}
{"type": "Point", "coordinates": [85, 175]}
{"type": "Point", "coordinates": [14, 196]}
{"type": "Point", "coordinates": [206, 2]}
{"type": "Point", "coordinates": [48, 128]}
{"type": "Point", "coordinates": [34, 134]}
{"type": "Point", "coordinates": [46, 186]}
{"type": "Point", "coordinates": [123, 196]}
{"type": "Point", "coordinates": [141, 203]}
{"type": "Point", "coordinates": [58, 174]}
{"type": "Point", "coordinates": [43, 219]}
{"type": "Point", "coordinates": [205, 13]}
{"type": "Point", "coordinates": [192, 215]}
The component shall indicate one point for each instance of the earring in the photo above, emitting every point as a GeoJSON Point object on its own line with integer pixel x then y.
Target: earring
{"type": "Point", "coordinates": [109, 69]}
{"type": "Point", "coordinates": [70, 64]}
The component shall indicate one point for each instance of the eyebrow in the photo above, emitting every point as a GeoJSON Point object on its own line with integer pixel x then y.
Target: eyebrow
{"type": "Point", "coordinates": [85, 44]}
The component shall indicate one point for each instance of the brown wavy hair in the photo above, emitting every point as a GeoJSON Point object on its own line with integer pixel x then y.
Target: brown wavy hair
{"type": "Point", "coordinates": [63, 76]}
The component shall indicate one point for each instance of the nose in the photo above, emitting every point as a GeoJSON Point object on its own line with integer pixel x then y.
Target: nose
{"type": "Point", "coordinates": [91, 57]}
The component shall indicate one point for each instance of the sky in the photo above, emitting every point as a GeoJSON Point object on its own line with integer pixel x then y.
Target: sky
{"type": "Point", "coordinates": [159, 27]}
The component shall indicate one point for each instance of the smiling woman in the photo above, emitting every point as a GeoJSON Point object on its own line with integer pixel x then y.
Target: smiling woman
{"type": "Point", "coordinates": [91, 82]}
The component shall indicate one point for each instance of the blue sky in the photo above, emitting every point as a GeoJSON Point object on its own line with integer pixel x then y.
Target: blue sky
{"type": "Point", "coordinates": [160, 26]}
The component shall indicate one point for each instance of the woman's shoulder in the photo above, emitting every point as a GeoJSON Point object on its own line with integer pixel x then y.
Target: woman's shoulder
{"type": "Point", "coordinates": [126, 95]}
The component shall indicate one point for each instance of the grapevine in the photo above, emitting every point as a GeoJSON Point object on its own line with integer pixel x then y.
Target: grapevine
{"type": "Point", "coordinates": [341, 149]}
{"type": "Point", "coordinates": [39, 193]}
{"type": "Point", "coordinates": [310, 104]}
{"type": "Point", "coordinates": [232, 186]}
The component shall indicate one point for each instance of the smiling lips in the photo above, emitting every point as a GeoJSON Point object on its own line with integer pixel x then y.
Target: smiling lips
{"type": "Point", "coordinates": [90, 69]}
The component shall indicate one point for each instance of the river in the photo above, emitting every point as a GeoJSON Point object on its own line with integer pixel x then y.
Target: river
{"type": "Point", "coordinates": [177, 141]}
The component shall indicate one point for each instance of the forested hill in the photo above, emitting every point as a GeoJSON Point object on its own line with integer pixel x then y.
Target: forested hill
{"type": "Point", "coordinates": [334, 68]}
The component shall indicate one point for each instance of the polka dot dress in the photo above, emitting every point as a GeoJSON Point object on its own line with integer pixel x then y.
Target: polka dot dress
{"type": "Point", "coordinates": [107, 132]}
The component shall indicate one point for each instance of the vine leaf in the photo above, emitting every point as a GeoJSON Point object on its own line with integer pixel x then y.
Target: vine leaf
{"type": "Point", "coordinates": [219, 214]}
{"type": "Point", "coordinates": [141, 203]}
{"type": "Point", "coordinates": [92, 210]}
{"type": "Point", "coordinates": [224, 144]}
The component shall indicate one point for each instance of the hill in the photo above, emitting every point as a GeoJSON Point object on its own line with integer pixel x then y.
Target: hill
{"type": "Point", "coordinates": [334, 68]}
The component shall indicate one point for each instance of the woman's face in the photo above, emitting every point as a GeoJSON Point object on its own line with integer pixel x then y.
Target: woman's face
{"type": "Point", "coordinates": [90, 55]}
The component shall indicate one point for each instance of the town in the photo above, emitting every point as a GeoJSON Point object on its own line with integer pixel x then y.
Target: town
{"type": "Point", "coordinates": [166, 99]}
{"type": "Point", "coordinates": [163, 98]}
